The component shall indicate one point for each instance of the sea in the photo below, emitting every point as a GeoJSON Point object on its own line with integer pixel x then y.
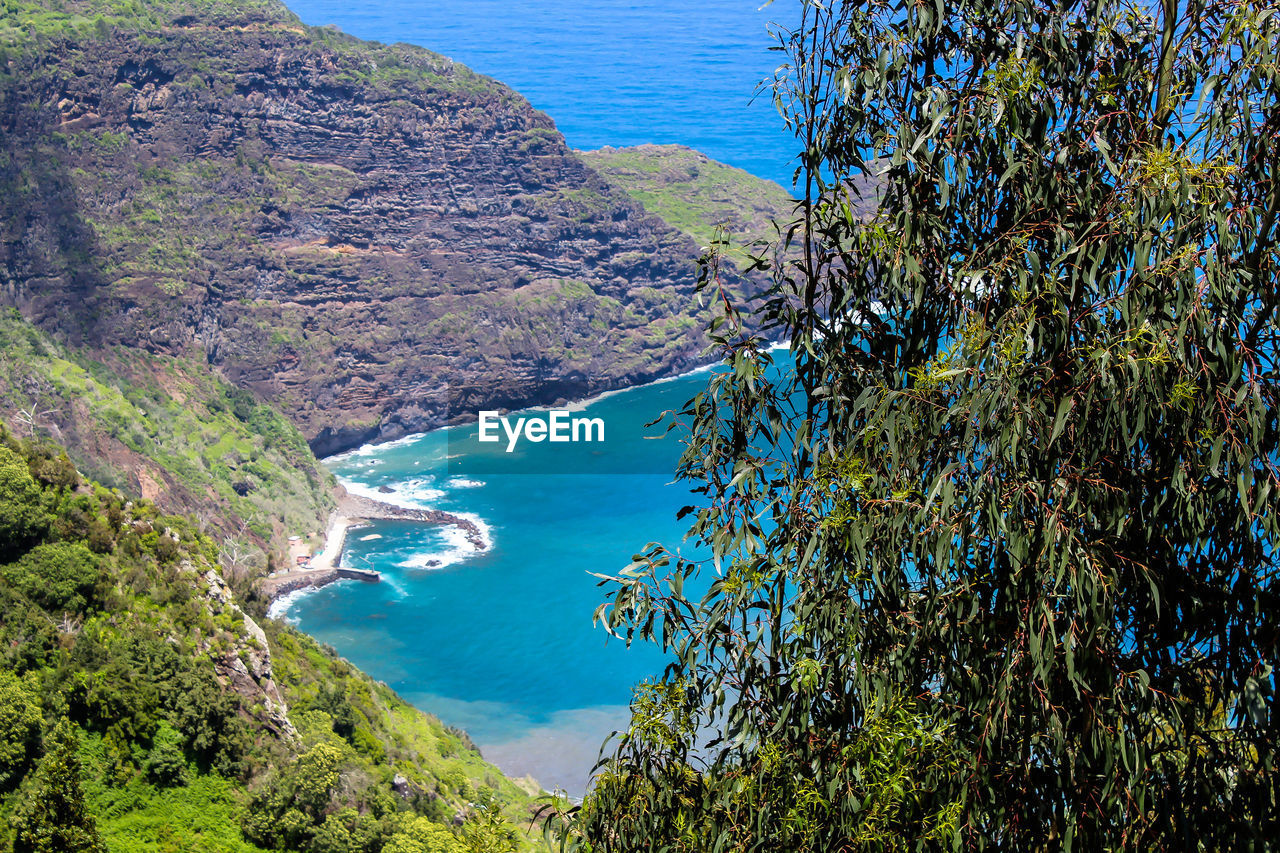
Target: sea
{"type": "Point", "coordinates": [611, 72]}
{"type": "Point", "coordinates": [502, 642]}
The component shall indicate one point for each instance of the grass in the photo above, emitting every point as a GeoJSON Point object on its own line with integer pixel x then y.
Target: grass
{"type": "Point", "coordinates": [21, 20]}
{"type": "Point", "coordinates": [430, 755]}
{"type": "Point", "coordinates": [203, 814]}
{"type": "Point", "coordinates": [694, 194]}
{"type": "Point", "coordinates": [393, 68]}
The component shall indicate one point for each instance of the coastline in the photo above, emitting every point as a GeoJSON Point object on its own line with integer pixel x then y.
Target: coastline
{"type": "Point", "coordinates": [416, 478]}
{"type": "Point", "coordinates": [574, 405]}
{"type": "Point", "coordinates": [353, 513]}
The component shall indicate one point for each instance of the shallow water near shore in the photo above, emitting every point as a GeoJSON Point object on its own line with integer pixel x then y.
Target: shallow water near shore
{"type": "Point", "coordinates": [501, 642]}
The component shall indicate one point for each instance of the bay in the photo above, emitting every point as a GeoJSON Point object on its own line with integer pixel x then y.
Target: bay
{"type": "Point", "coordinates": [501, 643]}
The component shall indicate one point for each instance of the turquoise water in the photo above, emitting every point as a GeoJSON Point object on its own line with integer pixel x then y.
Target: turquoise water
{"type": "Point", "coordinates": [501, 642]}
{"type": "Point", "coordinates": [609, 72]}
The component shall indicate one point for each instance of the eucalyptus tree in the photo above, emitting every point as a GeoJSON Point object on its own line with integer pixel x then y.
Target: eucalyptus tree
{"type": "Point", "coordinates": [994, 567]}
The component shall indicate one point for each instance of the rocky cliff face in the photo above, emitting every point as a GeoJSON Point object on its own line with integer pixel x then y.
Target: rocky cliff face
{"type": "Point", "coordinates": [374, 238]}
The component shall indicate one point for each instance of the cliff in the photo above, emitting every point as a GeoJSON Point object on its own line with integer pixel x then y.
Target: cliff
{"type": "Point", "coordinates": [371, 237]}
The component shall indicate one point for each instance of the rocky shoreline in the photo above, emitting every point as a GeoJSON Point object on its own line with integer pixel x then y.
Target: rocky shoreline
{"type": "Point", "coordinates": [354, 511]}
{"type": "Point", "coordinates": [359, 508]}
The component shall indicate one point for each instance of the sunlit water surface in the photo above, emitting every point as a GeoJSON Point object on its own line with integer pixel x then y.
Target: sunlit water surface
{"type": "Point", "coordinates": [501, 642]}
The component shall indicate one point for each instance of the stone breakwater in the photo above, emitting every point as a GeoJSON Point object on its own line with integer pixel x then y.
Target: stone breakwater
{"type": "Point", "coordinates": [280, 586]}
{"type": "Point", "coordinates": [354, 511]}
{"type": "Point", "coordinates": [360, 508]}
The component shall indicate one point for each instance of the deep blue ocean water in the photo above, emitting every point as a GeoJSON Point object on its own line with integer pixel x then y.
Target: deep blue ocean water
{"type": "Point", "coordinates": [609, 72]}
{"type": "Point", "coordinates": [501, 642]}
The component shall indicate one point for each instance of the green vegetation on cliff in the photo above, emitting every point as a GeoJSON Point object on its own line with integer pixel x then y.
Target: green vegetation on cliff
{"type": "Point", "coordinates": [695, 194]}
{"type": "Point", "coordinates": [345, 229]}
{"type": "Point", "coordinates": [192, 727]}
{"type": "Point", "coordinates": [23, 20]}
{"type": "Point", "coordinates": [167, 428]}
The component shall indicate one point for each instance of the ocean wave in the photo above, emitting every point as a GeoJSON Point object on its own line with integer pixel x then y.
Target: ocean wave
{"type": "Point", "coordinates": [463, 483]}
{"type": "Point", "coordinates": [457, 548]}
{"type": "Point", "coordinates": [279, 609]}
{"type": "Point", "coordinates": [409, 494]}
{"type": "Point", "coordinates": [370, 449]}
{"type": "Point", "coordinates": [579, 405]}
{"type": "Point", "coordinates": [419, 492]}
{"type": "Point", "coordinates": [486, 532]}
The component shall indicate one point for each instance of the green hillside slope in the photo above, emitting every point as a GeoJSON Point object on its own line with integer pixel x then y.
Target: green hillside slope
{"type": "Point", "coordinates": [196, 728]}
{"type": "Point", "coordinates": [166, 428]}
{"type": "Point", "coordinates": [696, 194]}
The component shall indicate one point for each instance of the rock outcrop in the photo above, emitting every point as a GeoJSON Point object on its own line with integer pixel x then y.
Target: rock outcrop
{"type": "Point", "coordinates": [245, 667]}
{"type": "Point", "coordinates": [375, 239]}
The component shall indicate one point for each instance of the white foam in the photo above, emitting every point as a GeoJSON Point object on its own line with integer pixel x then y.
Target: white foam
{"type": "Point", "coordinates": [370, 449]}
{"type": "Point", "coordinates": [463, 483]}
{"type": "Point", "coordinates": [604, 395]}
{"type": "Point", "coordinates": [486, 532]}
{"type": "Point", "coordinates": [411, 494]}
{"type": "Point", "coordinates": [458, 548]}
{"type": "Point", "coordinates": [348, 455]}
{"type": "Point", "coordinates": [279, 609]}
{"type": "Point", "coordinates": [419, 492]}
{"type": "Point", "coordinates": [457, 542]}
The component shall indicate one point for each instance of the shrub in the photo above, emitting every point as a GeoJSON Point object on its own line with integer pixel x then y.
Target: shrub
{"type": "Point", "coordinates": [60, 577]}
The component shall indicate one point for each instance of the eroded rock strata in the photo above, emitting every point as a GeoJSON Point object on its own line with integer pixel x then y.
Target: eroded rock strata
{"type": "Point", "coordinates": [373, 238]}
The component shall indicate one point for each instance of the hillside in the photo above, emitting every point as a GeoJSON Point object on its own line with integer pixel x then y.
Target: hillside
{"type": "Point", "coordinates": [197, 728]}
{"type": "Point", "coordinates": [229, 239]}
{"type": "Point", "coordinates": [696, 194]}
{"type": "Point", "coordinates": [374, 239]}
{"type": "Point", "coordinates": [167, 428]}
{"type": "Point", "coordinates": [706, 200]}
{"type": "Point", "coordinates": [231, 242]}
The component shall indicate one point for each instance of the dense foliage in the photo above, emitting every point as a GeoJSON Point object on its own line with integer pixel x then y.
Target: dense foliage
{"type": "Point", "coordinates": [141, 709]}
{"type": "Point", "coordinates": [170, 425]}
{"type": "Point", "coordinates": [995, 567]}
{"type": "Point", "coordinates": [53, 818]}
